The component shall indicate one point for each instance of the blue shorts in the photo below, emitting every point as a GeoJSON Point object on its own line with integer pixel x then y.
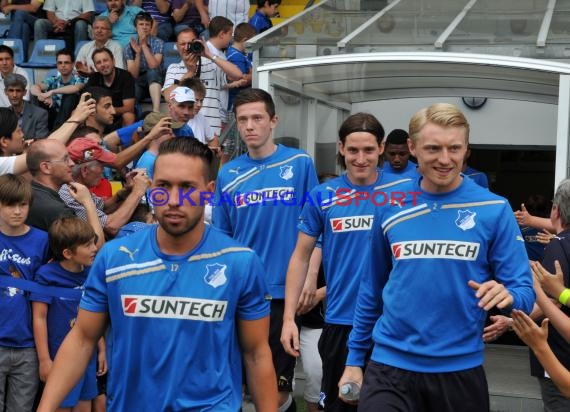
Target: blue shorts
{"type": "Point", "coordinates": [86, 388]}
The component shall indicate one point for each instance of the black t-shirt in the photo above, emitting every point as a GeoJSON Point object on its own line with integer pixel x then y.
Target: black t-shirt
{"type": "Point", "coordinates": [46, 207]}
{"type": "Point", "coordinates": [123, 86]}
{"type": "Point", "coordinates": [557, 249]}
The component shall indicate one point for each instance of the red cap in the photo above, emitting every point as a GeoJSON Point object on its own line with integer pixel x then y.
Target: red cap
{"type": "Point", "coordinates": [83, 150]}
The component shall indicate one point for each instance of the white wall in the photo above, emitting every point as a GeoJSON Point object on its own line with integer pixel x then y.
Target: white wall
{"type": "Point", "coordinates": [505, 122]}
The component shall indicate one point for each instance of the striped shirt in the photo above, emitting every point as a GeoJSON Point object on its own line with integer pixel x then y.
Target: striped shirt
{"type": "Point", "coordinates": [235, 10]}
{"type": "Point", "coordinates": [79, 209]}
{"type": "Point", "coordinates": [212, 81]}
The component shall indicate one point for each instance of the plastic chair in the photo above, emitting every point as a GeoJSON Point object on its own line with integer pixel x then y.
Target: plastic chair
{"type": "Point", "coordinates": [44, 53]}
{"type": "Point", "coordinates": [170, 54]}
{"type": "Point", "coordinates": [17, 46]}
{"type": "Point", "coordinates": [4, 26]}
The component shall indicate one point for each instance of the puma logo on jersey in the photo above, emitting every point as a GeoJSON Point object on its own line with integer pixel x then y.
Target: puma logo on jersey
{"type": "Point", "coordinates": [128, 252]}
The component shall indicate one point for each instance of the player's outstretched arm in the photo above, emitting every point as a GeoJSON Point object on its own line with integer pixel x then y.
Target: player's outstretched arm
{"type": "Point", "coordinates": [261, 381]}
{"type": "Point", "coordinates": [72, 358]}
{"type": "Point", "coordinates": [535, 337]}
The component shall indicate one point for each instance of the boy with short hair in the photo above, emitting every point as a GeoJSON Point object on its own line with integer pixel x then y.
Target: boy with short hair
{"type": "Point", "coordinates": [144, 60]}
{"type": "Point", "coordinates": [23, 249]}
{"type": "Point", "coordinates": [199, 124]}
{"type": "Point", "coordinates": [236, 53]}
{"type": "Point", "coordinates": [266, 9]}
{"type": "Point", "coordinates": [73, 244]}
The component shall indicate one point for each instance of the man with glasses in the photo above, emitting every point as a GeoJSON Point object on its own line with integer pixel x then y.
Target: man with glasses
{"type": "Point", "coordinates": [50, 166]}
{"type": "Point", "coordinates": [101, 38]}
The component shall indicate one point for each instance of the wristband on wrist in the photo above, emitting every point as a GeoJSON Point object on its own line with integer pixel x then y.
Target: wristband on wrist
{"type": "Point", "coordinates": [564, 296]}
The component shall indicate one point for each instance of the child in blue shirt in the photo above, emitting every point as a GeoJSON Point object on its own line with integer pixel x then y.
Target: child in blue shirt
{"type": "Point", "coordinates": [23, 249]}
{"type": "Point", "coordinates": [73, 244]}
{"type": "Point", "coordinates": [237, 55]}
{"type": "Point", "coordinates": [266, 9]}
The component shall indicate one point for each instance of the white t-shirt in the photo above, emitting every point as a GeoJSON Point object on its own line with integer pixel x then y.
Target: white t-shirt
{"type": "Point", "coordinates": [86, 51]}
{"type": "Point", "coordinates": [235, 10]}
{"type": "Point", "coordinates": [201, 128]}
{"type": "Point", "coordinates": [7, 164]}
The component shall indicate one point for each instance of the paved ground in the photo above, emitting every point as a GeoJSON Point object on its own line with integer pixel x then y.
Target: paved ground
{"type": "Point", "coordinates": [511, 387]}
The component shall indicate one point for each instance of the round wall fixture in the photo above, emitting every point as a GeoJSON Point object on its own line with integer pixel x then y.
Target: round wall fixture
{"type": "Point", "coordinates": [474, 102]}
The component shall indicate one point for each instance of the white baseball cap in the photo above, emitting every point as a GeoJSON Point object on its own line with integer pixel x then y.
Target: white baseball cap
{"type": "Point", "coordinates": [182, 94]}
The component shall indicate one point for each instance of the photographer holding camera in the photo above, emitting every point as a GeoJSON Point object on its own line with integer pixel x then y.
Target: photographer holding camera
{"type": "Point", "coordinates": [209, 65]}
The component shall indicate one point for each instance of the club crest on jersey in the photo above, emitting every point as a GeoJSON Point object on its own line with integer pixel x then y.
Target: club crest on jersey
{"type": "Point", "coordinates": [215, 275]}
{"type": "Point", "coordinates": [286, 172]}
{"type": "Point", "coordinates": [465, 219]}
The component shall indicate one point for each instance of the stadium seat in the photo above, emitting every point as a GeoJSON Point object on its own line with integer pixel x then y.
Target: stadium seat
{"type": "Point", "coordinates": [170, 54]}
{"type": "Point", "coordinates": [43, 53]}
{"type": "Point", "coordinates": [4, 26]}
{"type": "Point", "coordinates": [17, 46]}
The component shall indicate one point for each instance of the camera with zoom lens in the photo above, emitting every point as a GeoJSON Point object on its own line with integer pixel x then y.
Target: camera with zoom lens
{"type": "Point", "coordinates": [195, 47]}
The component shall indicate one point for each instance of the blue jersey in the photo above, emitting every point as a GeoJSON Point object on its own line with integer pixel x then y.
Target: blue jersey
{"type": "Point", "coordinates": [146, 161]}
{"type": "Point", "coordinates": [241, 60]}
{"type": "Point", "coordinates": [258, 203]}
{"type": "Point", "coordinates": [414, 298]}
{"type": "Point", "coordinates": [20, 257]}
{"type": "Point", "coordinates": [62, 311]}
{"type": "Point", "coordinates": [344, 221]}
{"type": "Point", "coordinates": [173, 320]}
{"type": "Point", "coordinates": [534, 249]}
{"type": "Point", "coordinates": [479, 177]}
{"type": "Point", "coordinates": [260, 22]}
{"type": "Point", "coordinates": [411, 170]}
{"type": "Point", "coordinates": [61, 316]}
